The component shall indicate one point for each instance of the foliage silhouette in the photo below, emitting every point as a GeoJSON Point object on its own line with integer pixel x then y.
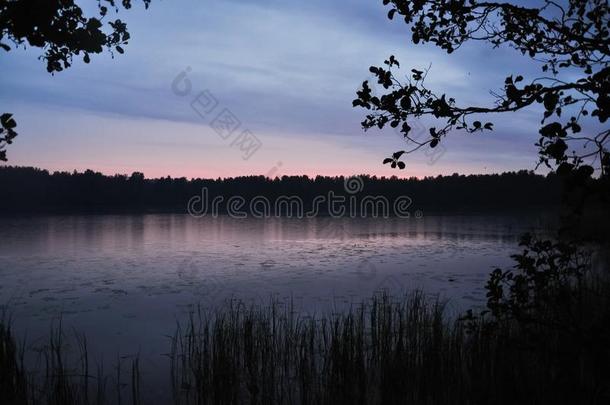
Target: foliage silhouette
{"type": "Point", "coordinates": [62, 30]}
{"type": "Point", "coordinates": [539, 303]}
{"type": "Point", "coordinates": [570, 41]}
{"type": "Point", "coordinates": [7, 133]}
{"type": "Point", "coordinates": [35, 190]}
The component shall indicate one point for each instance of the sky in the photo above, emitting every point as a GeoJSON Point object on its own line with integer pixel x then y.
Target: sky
{"type": "Point", "coordinates": [284, 72]}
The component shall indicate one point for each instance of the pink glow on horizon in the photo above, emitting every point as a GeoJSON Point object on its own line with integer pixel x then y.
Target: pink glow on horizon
{"type": "Point", "coordinates": [118, 145]}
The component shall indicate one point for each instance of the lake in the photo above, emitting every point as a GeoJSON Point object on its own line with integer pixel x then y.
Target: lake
{"type": "Point", "coordinates": [125, 280]}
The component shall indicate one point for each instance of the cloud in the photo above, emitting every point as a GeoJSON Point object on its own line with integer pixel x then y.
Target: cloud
{"type": "Point", "coordinates": [285, 68]}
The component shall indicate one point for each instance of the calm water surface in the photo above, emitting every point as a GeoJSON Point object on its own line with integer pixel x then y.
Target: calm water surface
{"type": "Point", "coordinates": [125, 280]}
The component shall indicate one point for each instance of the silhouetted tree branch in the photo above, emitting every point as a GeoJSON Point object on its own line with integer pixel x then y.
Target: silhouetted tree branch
{"type": "Point", "coordinates": [571, 38]}
{"type": "Point", "coordinates": [62, 30]}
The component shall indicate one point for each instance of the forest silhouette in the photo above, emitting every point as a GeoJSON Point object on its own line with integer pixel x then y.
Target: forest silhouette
{"type": "Point", "coordinates": [27, 189]}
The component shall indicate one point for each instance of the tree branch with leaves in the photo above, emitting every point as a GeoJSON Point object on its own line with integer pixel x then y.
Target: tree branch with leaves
{"type": "Point", "coordinates": [570, 39]}
{"type": "Point", "coordinates": [62, 30]}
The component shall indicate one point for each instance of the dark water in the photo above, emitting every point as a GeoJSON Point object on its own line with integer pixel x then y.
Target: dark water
{"type": "Point", "coordinates": [125, 280]}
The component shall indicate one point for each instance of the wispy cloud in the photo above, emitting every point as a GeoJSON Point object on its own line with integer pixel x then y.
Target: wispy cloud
{"type": "Point", "coordinates": [289, 70]}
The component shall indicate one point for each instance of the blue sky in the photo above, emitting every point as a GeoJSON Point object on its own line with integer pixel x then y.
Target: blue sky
{"type": "Point", "coordinates": [287, 70]}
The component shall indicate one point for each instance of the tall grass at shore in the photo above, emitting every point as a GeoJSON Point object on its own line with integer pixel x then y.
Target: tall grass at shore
{"type": "Point", "coordinates": [58, 372]}
{"type": "Point", "coordinates": [12, 377]}
{"type": "Point", "coordinates": [545, 340]}
{"type": "Point", "coordinates": [386, 351]}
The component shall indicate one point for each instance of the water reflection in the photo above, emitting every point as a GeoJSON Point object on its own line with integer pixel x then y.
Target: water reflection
{"type": "Point", "coordinates": [124, 280]}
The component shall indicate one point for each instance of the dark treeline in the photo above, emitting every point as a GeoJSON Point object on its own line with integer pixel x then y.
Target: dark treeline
{"type": "Point", "coordinates": [29, 190]}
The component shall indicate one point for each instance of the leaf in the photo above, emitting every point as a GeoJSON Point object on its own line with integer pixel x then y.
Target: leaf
{"type": "Point", "coordinates": [387, 160]}
{"type": "Point", "coordinates": [576, 128]}
{"type": "Point", "coordinates": [401, 165]}
{"type": "Point", "coordinates": [417, 74]}
{"type": "Point", "coordinates": [391, 13]}
{"type": "Point", "coordinates": [550, 101]}
{"type": "Point", "coordinates": [86, 58]}
{"type": "Point", "coordinates": [7, 121]}
{"type": "Point", "coordinates": [433, 143]}
{"type": "Point", "coordinates": [393, 61]}
{"type": "Point", "coordinates": [398, 154]}
{"type": "Point", "coordinates": [477, 124]}
{"type": "Point", "coordinates": [552, 130]}
{"type": "Point", "coordinates": [119, 49]}
{"type": "Point", "coordinates": [557, 149]}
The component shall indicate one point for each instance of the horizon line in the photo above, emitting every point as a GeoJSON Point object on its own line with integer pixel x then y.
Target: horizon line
{"type": "Point", "coordinates": [309, 176]}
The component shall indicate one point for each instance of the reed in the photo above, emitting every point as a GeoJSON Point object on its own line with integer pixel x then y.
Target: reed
{"type": "Point", "coordinates": [13, 384]}
{"type": "Point", "coordinates": [56, 373]}
{"type": "Point", "coordinates": [385, 351]}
